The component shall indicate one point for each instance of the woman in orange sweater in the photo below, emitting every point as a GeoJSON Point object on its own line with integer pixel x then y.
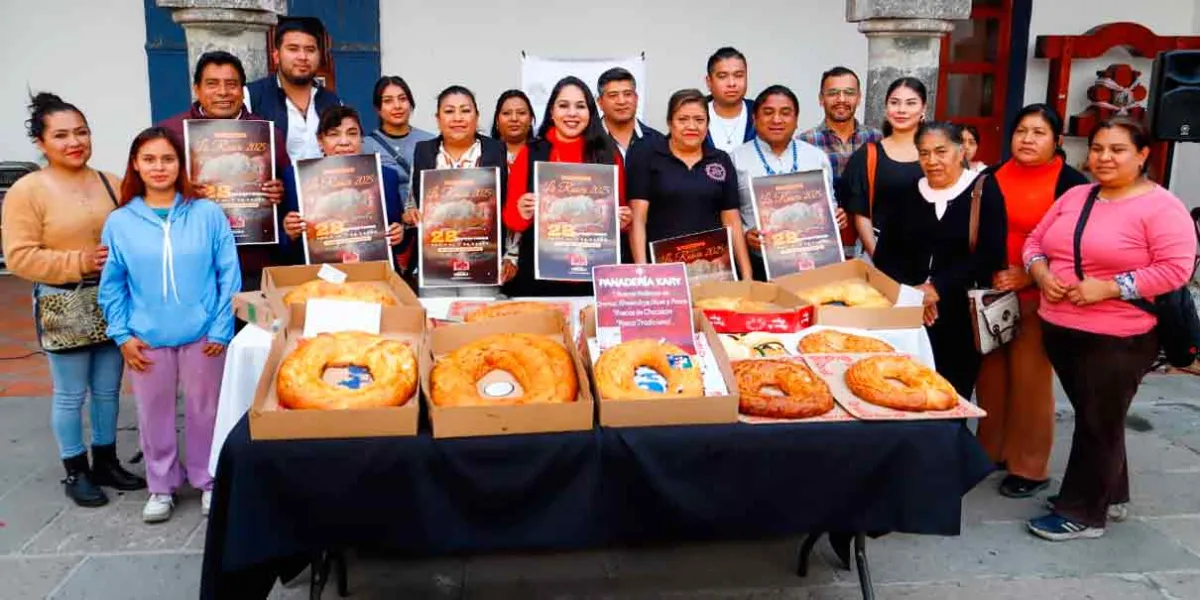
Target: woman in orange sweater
{"type": "Point", "coordinates": [52, 222]}
{"type": "Point", "coordinates": [570, 132]}
{"type": "Point", "coordinates": [1015, 382]}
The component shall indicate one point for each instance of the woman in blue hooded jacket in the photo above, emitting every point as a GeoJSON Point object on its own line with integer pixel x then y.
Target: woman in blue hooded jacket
{"type": "Point", "coordinates": [167, 292]}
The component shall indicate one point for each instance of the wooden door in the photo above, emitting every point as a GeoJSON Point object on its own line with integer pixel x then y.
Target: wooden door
{"type": "Point", "coordinates": [973, 80]}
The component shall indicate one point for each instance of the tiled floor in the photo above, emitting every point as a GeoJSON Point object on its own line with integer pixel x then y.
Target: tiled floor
{"type": "Point", "coordinates": [23, 370]}
{"type": "Point", "coordinates": [50, 548]}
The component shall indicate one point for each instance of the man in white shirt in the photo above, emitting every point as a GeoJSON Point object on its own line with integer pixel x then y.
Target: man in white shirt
{"type": "Point", "coordinates": [618, 101]}
{"type": "Point", "coordinates": [730, 114]}
{"type": "Point", "coordinates": [774, 150]}
{"type": "Point", "coordinates": [292, 98]}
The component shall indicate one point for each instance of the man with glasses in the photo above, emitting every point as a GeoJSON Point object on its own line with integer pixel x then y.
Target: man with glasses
{"type": "Point", "coordinates": [840, 134]}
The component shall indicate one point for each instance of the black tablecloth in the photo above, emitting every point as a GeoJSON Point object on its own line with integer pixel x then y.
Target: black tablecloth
{"type": "Point", "coordinates": [277, 500]}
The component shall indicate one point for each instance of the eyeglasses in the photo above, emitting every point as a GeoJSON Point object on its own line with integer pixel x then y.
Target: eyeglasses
{"type": "Point", "coordinates": [847, 92]}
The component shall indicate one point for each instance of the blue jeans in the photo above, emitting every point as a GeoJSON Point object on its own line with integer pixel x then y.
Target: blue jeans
{"type": "Point", "coordinates": [97, 369]}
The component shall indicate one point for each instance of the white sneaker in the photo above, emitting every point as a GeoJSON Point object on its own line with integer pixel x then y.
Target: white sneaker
{"type": "Point", "coordinates": [205, 502]}
{"type": "Point", "coordinates": [158, 508]}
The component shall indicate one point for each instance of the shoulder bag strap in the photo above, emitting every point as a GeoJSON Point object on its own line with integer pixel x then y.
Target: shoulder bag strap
{"type": "Point", "coordinates": [387, 147]}
{"type": "Point", "coordinates": [1141, 303]}
{"type": "Point", "coordinates": [976, 200]}
{"type": "Point", "coordinates": [1084, 213]}
{"type": "Point", "coordinates": [108, 186]}
{"type": "Point", "coordinates": [872, 163]}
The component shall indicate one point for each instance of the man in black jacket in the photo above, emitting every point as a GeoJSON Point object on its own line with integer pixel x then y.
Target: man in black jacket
{"type": "Point", "coordinates": [292, 98]}
{"type": "Point", "coordinates": [618, 101]}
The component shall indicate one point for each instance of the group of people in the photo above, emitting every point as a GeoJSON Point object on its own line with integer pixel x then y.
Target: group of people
{"type": "Point", "coordinates": [165, 265]}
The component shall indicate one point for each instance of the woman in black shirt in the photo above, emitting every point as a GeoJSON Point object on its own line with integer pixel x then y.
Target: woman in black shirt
{"type": "Point", "coordinates": [896, 168]}
{"type": "Point", "coordinates": [679, 185]}
{"type": "Point", "coordinates": [925, 243]}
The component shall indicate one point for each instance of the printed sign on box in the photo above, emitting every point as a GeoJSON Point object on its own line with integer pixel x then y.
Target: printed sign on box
{"type": "Point", "coordinates": [644, 302]}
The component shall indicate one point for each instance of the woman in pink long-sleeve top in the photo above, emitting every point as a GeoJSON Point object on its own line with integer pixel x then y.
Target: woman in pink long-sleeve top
{"type": "Point", "coordinates": [1139, 242]}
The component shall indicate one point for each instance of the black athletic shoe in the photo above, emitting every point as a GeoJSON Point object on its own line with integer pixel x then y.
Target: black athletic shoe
{"type": "Point", "coordinates": [1015, 486]}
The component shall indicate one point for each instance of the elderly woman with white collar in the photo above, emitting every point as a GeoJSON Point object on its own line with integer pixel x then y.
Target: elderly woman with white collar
{"type": "Point", "coordinates": [926, 243]}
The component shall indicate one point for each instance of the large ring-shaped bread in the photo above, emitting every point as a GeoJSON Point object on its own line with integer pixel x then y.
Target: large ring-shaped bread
{"type": "Point", "coordinates": [504, 309]}
{"type": "Point", "coordinates": [616, 366]}
{"type": "Point", "coordinates": [851, 292]}
{"type": "Point", "coordinates": [359, 291]}
{"type": "Point", "coordinates": [804, 394]}
{"type": "Point", "coordinates": [900, 382]}
{"type": "Point", "coordinates": [736, 304]}
{"type": "Point", "coordinates": [541, 366]}
{"type": "Point", "coordinates": [392, 364]}
{"type": "Point", "coordinates": [831, 341]}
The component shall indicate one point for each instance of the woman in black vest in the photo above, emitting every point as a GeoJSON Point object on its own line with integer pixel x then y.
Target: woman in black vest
{"type": "Point", "coordinates": [570, 132]}
{"type": "Point", "coordinates": [459, 145]}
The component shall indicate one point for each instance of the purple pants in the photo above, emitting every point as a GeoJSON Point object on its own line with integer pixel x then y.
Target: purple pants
{"type": "Point", "coordinates": [155, 391]}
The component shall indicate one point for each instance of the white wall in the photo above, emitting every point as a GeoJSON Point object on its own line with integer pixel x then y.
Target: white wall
{"type": "Point", "coordinates": [92, 53]}
{"type": "Point", "coordinates": [1163, 17]}
{"type": "Point", "coordinates": [433, 45]}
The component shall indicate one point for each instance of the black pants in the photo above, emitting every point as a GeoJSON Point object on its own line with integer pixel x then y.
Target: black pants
{"type": "Point", "coordinates": [954, 344]}
{"type": "Point", "coordinates": [1100, 374]}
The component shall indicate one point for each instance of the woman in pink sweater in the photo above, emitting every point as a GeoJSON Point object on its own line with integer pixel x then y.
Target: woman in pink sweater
{"type": "Point", "coordinates": [1139, 242]}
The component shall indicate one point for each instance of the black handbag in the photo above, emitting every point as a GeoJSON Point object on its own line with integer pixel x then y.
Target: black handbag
{"type": "Point", "coordinates": [1178, 325]}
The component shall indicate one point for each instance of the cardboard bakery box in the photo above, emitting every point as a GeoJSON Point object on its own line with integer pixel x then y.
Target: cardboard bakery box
{"type": "Point", "coordinates": [896, 317]}
{"type": "Point", "coordinates": [464, 421]}
{"type": "Point", "coordinates": [278, 281]}
{"type": "Point", "coordinates": [255, 309]}
{"type": "Point", "coordinates": [270, 421]}
{"type": "Point", "coordinates": [794, 314]}
{"type": "Point", "coordinates": [707, 410]}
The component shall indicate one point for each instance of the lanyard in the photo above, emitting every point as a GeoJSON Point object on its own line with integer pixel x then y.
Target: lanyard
{"type": "Point", "coordinates": [763, 159]}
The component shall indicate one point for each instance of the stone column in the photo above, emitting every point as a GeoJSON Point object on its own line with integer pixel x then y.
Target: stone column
{"type": "Point", "coordinates": [903, 40]}
{"type": "Point", "coordinates": [235, 26]}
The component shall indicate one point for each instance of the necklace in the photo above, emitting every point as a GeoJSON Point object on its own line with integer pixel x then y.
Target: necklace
{"type": "Point", "coordinates": [728, 130]}
{"type": "Point", "coordinates": [763, 159]}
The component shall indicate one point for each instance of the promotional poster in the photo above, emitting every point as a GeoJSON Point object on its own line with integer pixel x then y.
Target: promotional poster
{"type": "Point", "coordinates": [460, 228]}
{"type": "Point", "coordinates": [708, 254]}
{"type": "Point", "coordinates": [230, 160]}
{"type": "Point", "coordinates": [795, 216]}
{"type": "Point", "coordinates": [576, 225]}
{"type": "Point", "coordinates": [341, 201]}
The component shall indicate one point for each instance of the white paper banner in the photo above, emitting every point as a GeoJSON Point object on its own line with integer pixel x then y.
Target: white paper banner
{"type": "Point", "coordinates": [539, 74]}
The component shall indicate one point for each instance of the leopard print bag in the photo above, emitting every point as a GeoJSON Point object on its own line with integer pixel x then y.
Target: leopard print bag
{"type": "Point", "coordinates": [70, 320]}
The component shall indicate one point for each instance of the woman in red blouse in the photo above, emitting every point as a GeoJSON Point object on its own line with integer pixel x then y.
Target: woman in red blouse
{"type": "Point", "coordinates": [570, 132]}
{"type": "Point", "coordinates": [1015, 382]}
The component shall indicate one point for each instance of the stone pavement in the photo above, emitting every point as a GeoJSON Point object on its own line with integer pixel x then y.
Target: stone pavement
{"type": "Point", "coordinates": [49, 548]}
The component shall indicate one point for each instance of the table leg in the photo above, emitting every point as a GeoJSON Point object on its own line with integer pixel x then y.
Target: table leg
{"type": "Point", "coordinates": [318, 576]}
{"type": "Point", "coordinates": [864, 572]}
{"type": "Point", "coordinates": [335, 561]}
{"type": "Point", "coordinates": [840, 542]}
{"type": "Point", "coordinates": [806, 549]}
{"type": "Point", "coordinates": [343, 582]}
